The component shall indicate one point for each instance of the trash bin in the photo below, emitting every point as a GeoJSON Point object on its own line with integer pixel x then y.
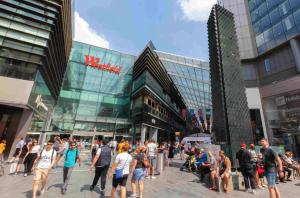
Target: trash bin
{"type": "Point", "coordinates": [160, 163]}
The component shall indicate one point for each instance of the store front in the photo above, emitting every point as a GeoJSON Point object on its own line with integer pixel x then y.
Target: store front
{"type": "Point", "coordinates": [283, 119]}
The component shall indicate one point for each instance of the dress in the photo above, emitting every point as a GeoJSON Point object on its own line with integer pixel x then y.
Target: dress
{"type": "Point", "coordinates": [171, 152]}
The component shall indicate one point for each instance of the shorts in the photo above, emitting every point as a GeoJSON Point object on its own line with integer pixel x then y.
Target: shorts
{"type": "Point", "coordinates": [40, 173]}
{"type": "Point", "coordinates": [261, 175]}
{"type": "Point", "coordinates": [139, 174]}
{"type": "Point", "coordinates": [121, 181]}
{"type": "Point", "coordinates": [20, 160]}
{"type": "Point", "coordinates": [152, 161]}
{"type": "Point", "coordinates": [271, 178]}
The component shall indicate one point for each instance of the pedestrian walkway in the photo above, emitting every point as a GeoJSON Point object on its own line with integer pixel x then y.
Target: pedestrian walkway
{"type": "Point", "coordinates": [172, 183]}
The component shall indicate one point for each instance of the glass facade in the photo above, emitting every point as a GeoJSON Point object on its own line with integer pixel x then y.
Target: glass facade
{"type": "Point", "coordinates": [283, 119]}
{"type": "Point", "coordinates": [94, 98]}
{"type": "Point", "coordinates": [191, 77]}
{"type": "Point", "coordinates": [274, 22]}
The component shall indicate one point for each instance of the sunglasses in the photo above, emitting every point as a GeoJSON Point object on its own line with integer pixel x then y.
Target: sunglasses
{"type": "Point", "coordinates": [49, 144]}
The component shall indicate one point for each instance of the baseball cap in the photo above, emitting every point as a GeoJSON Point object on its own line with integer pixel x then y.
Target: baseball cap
{"type": "Point", "coordinates": [243, 145]}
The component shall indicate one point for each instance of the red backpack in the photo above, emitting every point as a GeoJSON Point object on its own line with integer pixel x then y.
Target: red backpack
{"type": "Point", "coordinates": [260, 170]}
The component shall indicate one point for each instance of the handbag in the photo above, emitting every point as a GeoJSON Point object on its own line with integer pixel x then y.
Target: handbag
{"type": "Point", "coordinates": [145, 162]}
{"type": "Point", "coordinates": [119, 172]}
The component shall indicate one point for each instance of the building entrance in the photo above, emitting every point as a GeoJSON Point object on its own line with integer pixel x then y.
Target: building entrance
{"type": "Point", "coordinates": [9, 122]}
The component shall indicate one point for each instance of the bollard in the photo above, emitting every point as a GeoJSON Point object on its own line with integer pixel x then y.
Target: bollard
{"type": "Point", "coordinates": [160, 163]}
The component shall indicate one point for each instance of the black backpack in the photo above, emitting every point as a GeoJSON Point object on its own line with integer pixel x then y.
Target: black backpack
{"type": "Point", "coordinates": [24, 150]}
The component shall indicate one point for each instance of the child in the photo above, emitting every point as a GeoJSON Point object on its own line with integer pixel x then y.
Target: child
{"type": "Point", "coordinates": [261, 171]}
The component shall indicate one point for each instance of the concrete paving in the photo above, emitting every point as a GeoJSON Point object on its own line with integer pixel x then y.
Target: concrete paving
{"type": "Point", "coordinates": [172, 183]}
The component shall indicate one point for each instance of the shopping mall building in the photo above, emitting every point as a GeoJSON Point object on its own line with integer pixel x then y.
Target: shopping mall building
{"type": "Point", "coordinates": [108, 93]}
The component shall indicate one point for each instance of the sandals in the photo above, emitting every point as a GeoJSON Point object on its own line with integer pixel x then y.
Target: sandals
{"type": "Point", "coordinates": [213, 189]}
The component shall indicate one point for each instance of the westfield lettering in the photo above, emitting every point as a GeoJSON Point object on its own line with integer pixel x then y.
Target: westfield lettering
{"type": "Point", "coordinates": [95, 63]}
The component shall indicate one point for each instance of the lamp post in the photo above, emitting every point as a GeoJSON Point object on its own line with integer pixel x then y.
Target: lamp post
{"type": "Point", "coordinates": [114, 138]}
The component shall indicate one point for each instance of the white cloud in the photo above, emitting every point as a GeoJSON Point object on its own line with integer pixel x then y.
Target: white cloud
{"type": "Point", "coordinates": [196, 10]}
{"type": "Point", "coordinates": [86, 34]}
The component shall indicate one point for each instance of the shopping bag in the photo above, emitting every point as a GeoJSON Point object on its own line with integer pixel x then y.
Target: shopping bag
{"type": "Point", "coordinates": [13, 168]}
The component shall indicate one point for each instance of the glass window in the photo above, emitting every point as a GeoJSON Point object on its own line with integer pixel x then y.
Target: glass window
{"type": "Point", "coordinates": [274, 16]}
{"type": "Point", "coordinates": [265, 22]}
{"type": "Point", "coordinates": [260, 40]}
{"type": "Point", "coordinates": [297, 16]}
{"type": "Point", "coordinates": [254, 15]}
{"type": "Point", "coordinates": [288, 22]}
{"type": "Point", "coordinates": [251, 4]}
{"type": "Point", "coordinates": [278, 29]}
{"type": "Point", "coordinates": [294, 3]}
{"type": "Point", "coordinates": [267, 65]}
{"type": "Point", "coordinates": [262, 9]}
{"type": "Point", "coordinates": [256, 28]}
{"type": "Point", "coordinates": [268, 35]}
{"type": "Point", "coordinates": [284, 8]}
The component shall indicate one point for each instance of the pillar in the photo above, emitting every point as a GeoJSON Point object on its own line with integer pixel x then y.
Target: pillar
{"type": "Point", "coordinates": [143, 134]}
{"type": "Point", "coordinates": [296, 52]}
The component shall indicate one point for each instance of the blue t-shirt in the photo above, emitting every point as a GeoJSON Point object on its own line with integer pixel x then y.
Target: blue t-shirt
{"type": "Point", "coordinates": [70, 160]}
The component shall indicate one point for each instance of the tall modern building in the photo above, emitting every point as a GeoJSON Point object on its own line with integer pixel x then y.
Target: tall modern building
{"type": "Point", "coordinates": [96, 93]}
{"type": "Point", "coordinates": [191, 77]}
{"type": "Point", "coordinates": [35, 41]}
{"type": "Point", "coordinates": [157, 103]}
{"type": "Point", "coordinates": [274, 26]}
{"type": "Point", "coordinates": [112, 94]}
{"type": "Point", "coordinates": [231, 116]}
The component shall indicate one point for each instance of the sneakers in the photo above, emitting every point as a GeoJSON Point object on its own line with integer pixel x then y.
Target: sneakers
{"type": "Point", "coordinates": [43, 191]}
{"type": "Point", "coordinates": [254, 192]}
{"type": "Point", "coordinates": [152, 177]}
{"type": "Point", "coordinates": [248, 190]}
{"type": "Point", "coordinates": [133, 195]}
{"type": "Point", "coordinates": [102, 193]}
{"type": "Point", "coordinates": [147, 177]}
{"type": "Point", "coordinates": [63, 191]}
{"type": "Point", "coordinates": [92, 187]}
{"type": "Point", "coordinates": [25, 175]}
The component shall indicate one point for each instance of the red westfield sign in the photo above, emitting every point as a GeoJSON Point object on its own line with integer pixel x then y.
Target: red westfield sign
{"type": "Point", "coordinates": [95, 63]}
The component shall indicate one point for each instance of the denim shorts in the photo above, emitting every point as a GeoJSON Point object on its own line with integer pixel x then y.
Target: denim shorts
{"type": "Point", "coordinates": [271, 178]}
{"type": "Point", "coordinates": [139, 174]}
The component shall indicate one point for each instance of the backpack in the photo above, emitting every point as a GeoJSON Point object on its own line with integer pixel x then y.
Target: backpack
{"type": "Point", "coordinates": [24, 150]}
{"type": "Point", "coordinates": [260, 169]}
{"type": "Point", "coordinates": [75, 157]}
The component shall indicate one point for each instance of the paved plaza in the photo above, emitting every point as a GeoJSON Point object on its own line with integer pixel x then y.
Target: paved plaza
{"type": "Point", "coordinates": [172, 183]}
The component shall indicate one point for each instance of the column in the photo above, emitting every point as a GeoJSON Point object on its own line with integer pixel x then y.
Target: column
{"type": "Point", "coordinates": [143, 134]}
{"type": "Point", "coordinates": [296, 52]}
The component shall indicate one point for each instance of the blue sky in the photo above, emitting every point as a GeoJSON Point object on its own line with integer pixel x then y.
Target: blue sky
{"type": "Point", "coordinates": [174, 26]}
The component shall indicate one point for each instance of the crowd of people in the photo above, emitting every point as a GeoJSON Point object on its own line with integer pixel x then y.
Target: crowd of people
{"type": "Point", "coordinates": [124, 160]}
{"type": "Point", "coordinates": [254, 166]}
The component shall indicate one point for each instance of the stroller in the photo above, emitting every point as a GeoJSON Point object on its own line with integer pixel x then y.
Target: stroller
{"type": "Point", "coordinates": [190, 163]}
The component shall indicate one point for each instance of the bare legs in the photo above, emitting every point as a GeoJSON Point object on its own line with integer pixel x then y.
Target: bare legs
{"type": "Point", "coordinates": [213, 176]}
{"type": "Point", "coordinates": [274, 192]}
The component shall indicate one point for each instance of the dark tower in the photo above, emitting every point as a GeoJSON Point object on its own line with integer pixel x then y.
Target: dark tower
{"type": "Point", "coordinates": [231, 119]}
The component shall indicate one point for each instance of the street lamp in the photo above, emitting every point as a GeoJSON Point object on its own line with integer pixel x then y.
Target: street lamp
{"type": "Point", "coordinates": [116, 117]}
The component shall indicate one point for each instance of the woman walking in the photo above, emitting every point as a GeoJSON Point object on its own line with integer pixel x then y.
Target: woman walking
{"type": "Point", "coordinates": [120, 171]}
{"type": "Point", "coordinates": [138, 172]}
{"type": "Point", "coordinates": [31, 156]}
{"type": "Point", "coordinates": [171, 154]}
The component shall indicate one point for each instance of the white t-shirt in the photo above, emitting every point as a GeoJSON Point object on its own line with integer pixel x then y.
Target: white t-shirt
{"type": "Point", "coordinates": [123, 160]}
{"type": "Point", "coordinates": [20, 144]}
{"type": "Point", "coordinates": [45, 159]}
{"type": "Point", "coordinates": [151, 149]}
{"type": "Point", "coordinates": [36, 149]}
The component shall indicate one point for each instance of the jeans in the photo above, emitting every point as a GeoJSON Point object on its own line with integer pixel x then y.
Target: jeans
{"type": "Point", "coordinates": [249, 178]}
{"type": "Point", "coordinates": [100, 172]}
{"type": "Point", "coordinates": [66, 176]}
{"type": "Point", "coordinates": [271, 178]}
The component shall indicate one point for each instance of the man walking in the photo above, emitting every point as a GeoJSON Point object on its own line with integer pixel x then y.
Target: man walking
{"type": "Point", "coordinates": [244, 160]}
{"type": "Point", "coordinates": [101, 162]}
{"type": "Point", "coordinates": [45, 163]}
{"type": "Point", "coordinates": [151, 154]}
{"type": "Point", "coordinates": [272, 164]}
{"type": "Point", "coordinates": [71, 156]}
{"type": "Point", "coordinates": [19, 147]}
